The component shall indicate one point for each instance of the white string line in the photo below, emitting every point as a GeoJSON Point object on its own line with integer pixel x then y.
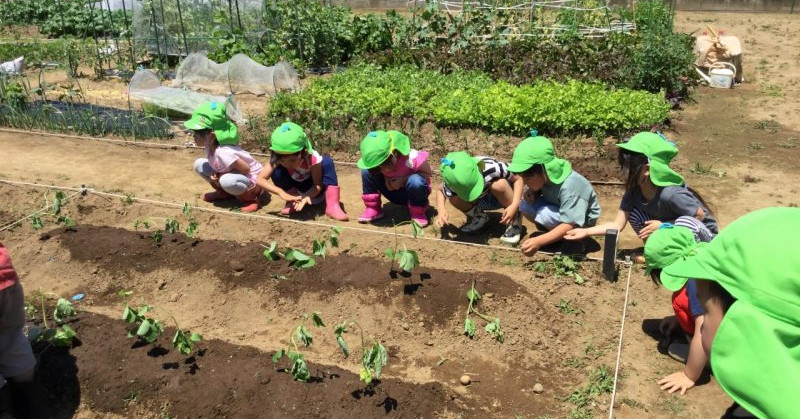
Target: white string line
{"type": "Point", "coordinates": [619, 348]}
{"type": "Point", "coordinates": [44, 208]}
{"type": "Point", "coordinates": [192, 146]}
{"type": "Point", "coordinates": [280, 219]}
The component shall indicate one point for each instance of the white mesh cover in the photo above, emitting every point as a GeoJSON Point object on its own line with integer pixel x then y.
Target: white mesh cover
{"type": "Point", "coordinates": [146, 86]}
{"type": "Point", "coordinates": [240, 74]}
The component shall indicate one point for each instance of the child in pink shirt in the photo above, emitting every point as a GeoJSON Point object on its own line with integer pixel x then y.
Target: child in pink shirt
{"type": "Point", "coordinates": [390, 167]}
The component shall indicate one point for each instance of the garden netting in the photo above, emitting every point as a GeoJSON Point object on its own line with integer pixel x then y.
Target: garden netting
{"type": "Point", "coordinates": [240, 74]}
{"type": "Point", "coordinates": [146, 86]}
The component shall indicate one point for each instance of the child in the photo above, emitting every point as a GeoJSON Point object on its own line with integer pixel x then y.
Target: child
{"type": "Point", "coordinates": [300, 174]}
{"type": "Point", "coordinates": [665, 246]}
{"type": "Point", "coordinates": [475, 184]}
{"type": "Point", "coordinates": [560, 198]}
{"type": "Point", "coordinates": [230, 170]}
{"type": "Point", "coordinates": [390, 167]}
{"type": "Point", "coordinates": [17, 362]}
{"type": "Point", "coordinates": [748, 280]}
{"type": "Point", "coordinates": [654, 193]}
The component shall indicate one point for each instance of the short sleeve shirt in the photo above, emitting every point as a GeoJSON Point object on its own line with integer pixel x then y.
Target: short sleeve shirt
{"type": "Point", "coordinates": [303, 171]}
{"type": "Point", "coordinates": [491, 170]}
{"type": "Point", "coordinates": [576, 200]}
{"type": "Point", "coordinates": [225, 156]}
{"type": "Point", "coordinates": [669, 203]}
{"type": "Point", "coordinates": [408, 165]}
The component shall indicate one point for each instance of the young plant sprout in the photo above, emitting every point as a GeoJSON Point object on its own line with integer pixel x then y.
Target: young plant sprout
{"type": "Point", "coordinates": [406, 259]}
{"type": "Point", "coordinates": [172, 226]}
{"type": "Point", "coordinates": [299, 369]}
{"type": "Point", "coordinates": [60, 335]}
{"type": "Point", "coordinates": [493, 324]}
{"type": "Point", "coordinates": [320, 246]}
{"type": "Point", "coordinates": [373, 357]}
{"type": "Point", "coordinates": [560, 266]}
{"type": "Point", "coordinates": [296, 258]}
{"type": "Point", "coordinates": [149, 329]}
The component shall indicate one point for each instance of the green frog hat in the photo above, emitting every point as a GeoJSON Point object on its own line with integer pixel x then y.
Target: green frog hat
{"type": "Point", "coordinates": [378, 145]}
{"type": "Point", "coordinates": [211, 115]}
{"type": "Point", "coordinates": [289, 138]}
{"type": "Point", "coordinates": [539, 150]}
{"type": "Point", "coordinates": [667, 245]}
{"type": "Point", "coordinates": [461, 173]}
{"type": "Point", "coordinates": [755, 354]}
{"type": "Point", "coordinates": [659, 151]}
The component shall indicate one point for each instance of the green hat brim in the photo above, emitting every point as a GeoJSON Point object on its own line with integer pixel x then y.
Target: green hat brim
{"type": "Point", "coordinates": [754, 363]}
{"type": "Point", "coordinates": [631, 147]}
{"type": "Point", "coordinates": [363, 165]}
{"type": "Point", "coordinates": [401, 143]}
{"type": "Point", "coordinates": [519, 167]}
{"type": "Point", "coordinates": [195, 123]}
{"type": "Point", "coordinates": [662, 175]}
{"type": "Point", "coordinates": [558, 170]}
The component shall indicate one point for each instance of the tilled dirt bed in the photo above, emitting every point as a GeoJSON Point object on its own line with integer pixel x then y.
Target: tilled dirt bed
{"type": "Point", "coordinates": [220, 285]}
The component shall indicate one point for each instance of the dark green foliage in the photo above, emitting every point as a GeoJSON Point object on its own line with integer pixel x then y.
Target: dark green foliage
{"type": "Point", "coordinates": [57, 18]}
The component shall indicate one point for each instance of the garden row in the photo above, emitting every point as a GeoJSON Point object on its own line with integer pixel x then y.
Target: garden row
{"type": "Point", "coordinates": [58, 18]}
{"type": "Point", "coordinates": [365, 95]}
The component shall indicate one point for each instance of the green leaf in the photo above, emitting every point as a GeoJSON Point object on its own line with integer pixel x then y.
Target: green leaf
{"type": "Point", "coordinates": [304, 336]}
{"type": "Point", "coordinates": [63, 310]}
{"type": "Point", "coordinates": [494, 329]}
{"type": "Point", "coordinates": [186, 209]}
{"type": "Point", "coordinates": [365, 375]}
{"type": "Point", "coordinates": [271, 253]}
{"type": "Point", "coordinates": [579, 279]}
{"type": "Point", "coordinates": [416, 229]}
{"type": "Point", "coordinates": [278, 355]}
{"type": "Point", "coordinates": [63, 336]}
{"type": "Point", "coordinates": [182, 343]}
{"type": "Point", "coordinates": [129, 315]}
{"type": "Point", "coordinates": [37, 222]}
{"type": "Point", "coordinates": [407, 260]}
{"type": "Point", "coordinates": [389, 253]}
{"type": "Point", "coordinates": [124, 293]}
{"type": "Point", "coordinates": [334, 241]}
{"type": "Point", "coordinates": [196, 337]}
{"type": "Point", "coordinates": [319, 247]}
{"type": "Point", "coordinates": [300, 370]}
{"type": "Point", "coordinates": [172, 226]}
{"type": "Point", "coordinates": [473, 295]}
{"type": "Point", "coordinates": [316, 318]}
{"type": "Point", "coordinates": [469, 328]}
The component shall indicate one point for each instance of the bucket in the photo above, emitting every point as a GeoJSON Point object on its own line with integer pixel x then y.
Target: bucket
{"type": "Point", "coordinates": [721, 75]}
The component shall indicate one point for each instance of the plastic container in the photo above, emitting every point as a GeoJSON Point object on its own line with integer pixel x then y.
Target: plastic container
{"type": "Point", "coordinates": [722, 75]}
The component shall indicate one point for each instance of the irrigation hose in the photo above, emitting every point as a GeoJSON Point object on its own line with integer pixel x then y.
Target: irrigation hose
{"type": "Point", "coordinates": [189, 145]}
{"type": "Point", "coordinates": [84, 189]}
{"type": "Point", "coordinates": [619, 347]}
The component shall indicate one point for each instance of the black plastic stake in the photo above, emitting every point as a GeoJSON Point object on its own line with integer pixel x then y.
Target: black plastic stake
{"type": "Point", "coordinates": [610, 255]}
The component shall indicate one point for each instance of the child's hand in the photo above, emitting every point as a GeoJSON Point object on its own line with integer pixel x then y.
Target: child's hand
{"type": "Point", "coordinates": [441, 220]}
{"type": "Point", "coordinates": [530, 246]}
{"type": "Point", "coordinates": [576, 234]}
{"type": "Point", "coordinates": [508, 214]}
{"type": "Point", "coordinates": [288, 198]}
{"type": "Point", "coordinates": [301, 202]}
{"type": "Point", "coordinates": [529, 195]}
{"type": "Point", "coordinates": [394, 184]}
{"type": "Point", "coordinates": [676, 381]}
{"type": "Point", "coordinates": [649, 228]}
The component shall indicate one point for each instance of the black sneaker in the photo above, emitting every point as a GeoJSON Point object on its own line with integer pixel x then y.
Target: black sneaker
{"type": "Point", "coordinates": [513, 234]}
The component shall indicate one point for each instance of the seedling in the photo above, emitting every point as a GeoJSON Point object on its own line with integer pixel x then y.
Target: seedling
{"type": "Point", "coordinates": [296, 258]}
{"type": "Point", "coordinates": [157, 236]}
{"type": "Point", "coordinates": [58, 202]}
{"type": "Point", "coordinates": [60, 335]}
{"type": "Point", "coordinates": [143, 222]}
{"type": "Point", "coordinates": [37, 222]}
{"type": "Point", "coordinates": [565, 307]}
{"type": "Point", "coordinates": [186, 210]}
{"type": "Point", "coordinates": [560, 266]}
{"type": "Point", "coordinates": [299, 369]}
{"type": "Point", "coordinates": [373, 358]}
{"type": "Point", "coordinates": [406, 259]}
{"type": "Point", "coordinates": [172, 226]}
{"type": "Point", "coordinates": [191, 228]}
{"type": "Point", "coordinates": [493, 324]}
{"type": "Point", "coordinates": [320, 246]}
{"type": "Point", "coordinates": [149, 329]}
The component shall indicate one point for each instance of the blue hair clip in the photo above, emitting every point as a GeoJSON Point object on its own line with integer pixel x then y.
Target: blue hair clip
{"type": "Point", "coordinates": [214, 105]}
{"type": "Point", "coordinates": [664, 137]}
{"type": "Point", "coordinates": [665, 225]}
{"type": "Point", "coordinates": [284, 127]}
{"type": "Point", "coordinates": [534, 133]}
{"type": "Point", "coordinates": [447, 162]}
{"type": "Point", "coordinates": [372, 134]}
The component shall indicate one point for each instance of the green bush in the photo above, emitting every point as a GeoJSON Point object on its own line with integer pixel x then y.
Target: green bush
{"type": "Point", "coordinates": [367, 94]}
{"type": "Point", "coordinates": [57, 18]}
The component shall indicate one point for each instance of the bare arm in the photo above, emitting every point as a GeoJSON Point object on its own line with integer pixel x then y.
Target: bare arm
{"type": "Point", "coordinates": [316, 176]}
{"type": "Point", "coordinates": [518, 185]}
{"type": "Point", "coordinates": [700, 214]}
{"type": "Point", "coordinates": [442, 217]}
{"type": "Point", "coordinates": [262, 180]}
{"type": "Point", "coordinates": [240, 167]}
{"type": "Point", "coordinates": [532, 245]}
{"type": "Point", "coordinates": [425, 169]}
{"type": "Point", "coordinates": [684, 380]}
{"type": "Point", "coordinates": [581, 233]}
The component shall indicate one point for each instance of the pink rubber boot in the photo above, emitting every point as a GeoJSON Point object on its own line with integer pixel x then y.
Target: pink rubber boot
{"type": "Point", "coordinates": [418, 214]}
{"type": "Point", "coordinates": [251, 200]}
{"type": "Point", "coordinates": [373, 211]}
{"type": "Point", "coordinates": [333, 208]}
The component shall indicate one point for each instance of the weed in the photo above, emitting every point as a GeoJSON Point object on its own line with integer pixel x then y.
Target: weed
{"type": "Point", "coordinates": [755, 146]}
{"type": "Point", "coordinates": [141, 222]}
{"type": "Point", "coordinates": [565, 307]}
{"type": "Point", "coordinates": [373, 357]}
{"type": "Point", "coordinates": [493, 324]}
{"type": "Point", "coordinates": [299, 368]}
{"type": "Point", "coordinates": [560, 266]}
{"type": "Point", "coordinates": [406, 259]}
{"type": "Point", "coordinates": [600, 382]}
{"type": "Point", "coordinates": [790, 142]}
{"type": "Point", "coordinates": [699, 169]}
{"type": "Point", "coordinates": [157, 236]}
{"type": "Point", "coordinates": [769, 126]}
{"type": "Point", "coordinates": [673, 404]}
{"type": "Point", "coordinates": [575, 362]}
{"type": "Point", "coordinates": [751, 179]}
{"type": "Point", "coordinates": [128, 199]}
{"type": "Point", "coordinates": [771, 90]}
{"type": "Point", "coordinates": [632, 403]}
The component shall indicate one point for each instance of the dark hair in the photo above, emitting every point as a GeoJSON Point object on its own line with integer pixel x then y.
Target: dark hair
{"type": "Point", "coordinates": [536, 169]}
{"type": "Point", "coordinates": [282, 155]}
{"type": "Point", "coordinates": [717, 293]}
{"type": "Point", "coordinates": [655, 275]}
{"type": "Point", "coordinates": [632, 163]}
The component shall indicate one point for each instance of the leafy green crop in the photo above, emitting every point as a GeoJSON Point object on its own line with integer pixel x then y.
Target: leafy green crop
{"type": "Point", "coordinates": [320, 246]}
{"type": "Point", "coordinates": [559, 266]}
{"type": "Point", "coordinates": [406, 259]}
{"type": "Point", "coordinates": [373, 358]}
{"type": "Point", "coordinates": [493, 323]}
{"type": "Point", "coordinates": [149, 329]}
{"type": "Point", "coordinates": [461, 99]}
{"type": "Point", "coordinates": [60, 335]}
{"type": "Point", "coordinates": [299, 368]}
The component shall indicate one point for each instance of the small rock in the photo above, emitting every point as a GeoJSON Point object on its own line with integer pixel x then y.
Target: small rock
{"type": "Point", "coordinates": [174, 297]}
{"type": "Point", "coordinates": [538, 388]}
{"type": "Point", "coordinates": [162, 285]}
{"type": "Point", "coordinates": [489, 295]}
{"type": "Point", "coordinates": [95, 271]}
{"type": "Point", "coordinates": [466, 379]}
{"type": "Point", "coordinates": [237, 266]}
{"type": "Point", "coordinates": [421, 324]}
{"type": "Point", "coordinates": [429, 343]}
{"type": "Point", "coordinates": [405, 326]}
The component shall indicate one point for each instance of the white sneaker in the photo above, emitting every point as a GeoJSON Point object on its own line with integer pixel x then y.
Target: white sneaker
{"type": "Point", "coordinates": [478, 220]}
{"type": "Point", "coordinates": [512, 235]}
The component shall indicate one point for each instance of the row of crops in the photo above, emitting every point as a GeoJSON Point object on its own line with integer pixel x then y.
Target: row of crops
{"type": "Point", "coordinates": [491, 69]}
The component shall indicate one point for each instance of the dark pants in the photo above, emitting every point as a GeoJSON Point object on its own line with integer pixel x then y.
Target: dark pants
{"type": "Point", "coordinates": [281, 178]}
{"type": "Point", "coordinates": [415, 193]}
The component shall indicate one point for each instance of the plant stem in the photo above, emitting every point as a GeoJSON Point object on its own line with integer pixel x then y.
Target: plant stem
{"type": "Point", "coordinates": [44, 313]}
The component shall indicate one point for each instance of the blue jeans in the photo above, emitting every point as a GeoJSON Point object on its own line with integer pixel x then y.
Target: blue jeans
{"type": "Point", "coordinates": [415, 193]}
{"type": "Point", "coordinates": [541, 212]}
{"type": "Point", "coordinates": [281, 178]}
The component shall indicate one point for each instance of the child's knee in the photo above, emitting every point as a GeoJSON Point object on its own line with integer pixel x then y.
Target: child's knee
{"type": "Point", "coordinates": [548, 216]}
{"type": "Point", "coordinates": [417, 182]}
{"type": "Point", "coordinates": [233, 184]}
{"type": "Point", "coordinates": [201, 166]}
